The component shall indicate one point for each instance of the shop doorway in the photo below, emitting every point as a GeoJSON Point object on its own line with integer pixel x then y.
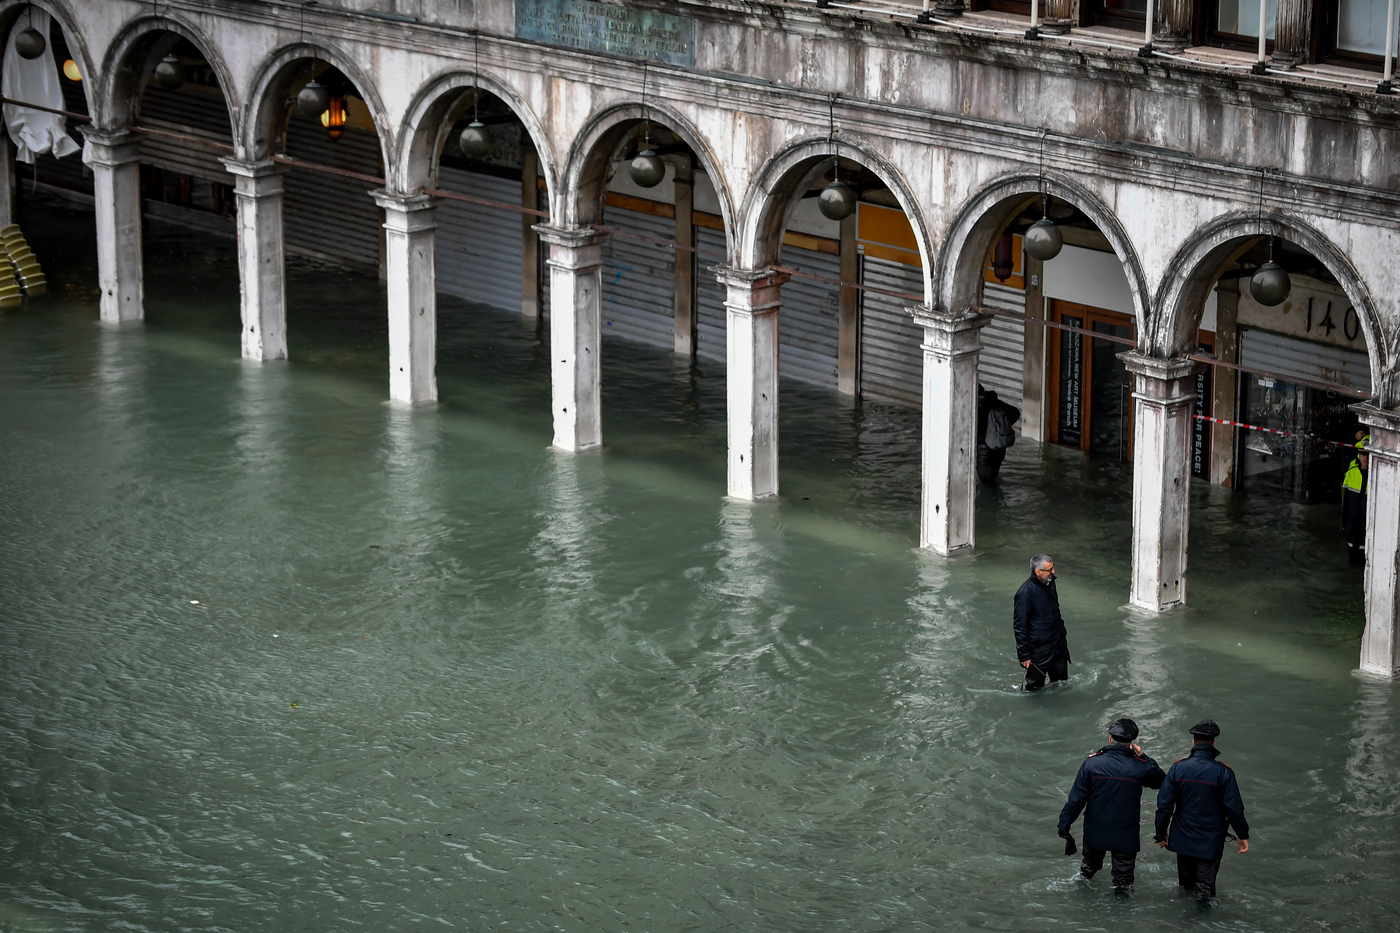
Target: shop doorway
{"type": "Point", "coordinates": [1091, 390]}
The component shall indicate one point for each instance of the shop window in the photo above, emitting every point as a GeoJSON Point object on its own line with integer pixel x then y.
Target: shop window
{"type": "Point", "coordinates": [1091, 390]}
{"type": "Point", "coordinates": [1123, 14]}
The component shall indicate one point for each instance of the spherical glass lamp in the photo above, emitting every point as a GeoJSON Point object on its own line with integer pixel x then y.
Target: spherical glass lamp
{"type": "Point", "coordinates": [647, 169]}
{"type": "Point", "coordinates": [1043, 241]}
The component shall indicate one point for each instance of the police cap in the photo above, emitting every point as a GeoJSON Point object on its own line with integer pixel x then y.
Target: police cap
{"type": "Point", "coordinates": [1125, 730]}
{"type": "Point", "coordinates": [1206, 728]}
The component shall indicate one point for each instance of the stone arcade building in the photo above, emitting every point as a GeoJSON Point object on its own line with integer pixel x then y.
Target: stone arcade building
{"type": "Point", "coordinates": [1175, 169]}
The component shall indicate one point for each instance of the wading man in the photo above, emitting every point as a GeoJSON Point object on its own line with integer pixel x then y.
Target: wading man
{"type": "Point", "coordinates": [1198, 803]}
{"type": "Point", "coordinates": [1108, 791]}
{"type": "Point", "coordinates": [1042, 647]}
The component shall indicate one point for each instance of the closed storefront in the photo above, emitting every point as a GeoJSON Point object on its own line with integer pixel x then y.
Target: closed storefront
{"type": "Point", "coordinates": [479, 247]}
{"type": "Point", "coordinates": [639, 277]}
{"type": "Point", "coordinates": [891, 355]}
{"type": "Point", "coordinates": [1090, 390]}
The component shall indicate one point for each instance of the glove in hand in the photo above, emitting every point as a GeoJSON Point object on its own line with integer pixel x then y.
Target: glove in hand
{"type": "Point", "coordinates": [1070, 847]}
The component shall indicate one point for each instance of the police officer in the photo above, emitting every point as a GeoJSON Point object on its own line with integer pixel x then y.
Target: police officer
{"type": "Point", "coordinates": [1196, 804]}
{"type": "Point", "coordinates": [1108, 791]}
{"type": "Point", "coordinates": [1041, 645]}
{"type": "Point", "coordinates": [1355, 486]}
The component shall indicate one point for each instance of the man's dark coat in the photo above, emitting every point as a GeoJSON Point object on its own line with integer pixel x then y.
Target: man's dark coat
{"type": "Point", "coordinates": [1197, 802]}
{"type": "Point", "coordinates": [1040, 632]}
{"type": "Point", "coordinates": [1108, 791]}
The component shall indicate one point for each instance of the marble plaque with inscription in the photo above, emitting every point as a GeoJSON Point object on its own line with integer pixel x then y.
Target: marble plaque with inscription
{"type": "Point", "coordinates": [608, 27]}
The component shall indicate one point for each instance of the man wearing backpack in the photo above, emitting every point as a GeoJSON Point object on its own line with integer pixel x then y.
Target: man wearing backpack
{"type": "Point", "coordinates": [995, 433]}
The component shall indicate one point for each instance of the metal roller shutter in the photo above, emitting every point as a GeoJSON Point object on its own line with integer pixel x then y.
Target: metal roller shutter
{"type": "Point", "coordinates": [1289, 356]}
{"type": "Point", "coordinates": [1001, 365]}
{"type": "Point", "coordinates": [197, 112]}
{"type": "Point", "coordinates": [891, 358]}
{"type": "Point", "coordinates": [639, 279]}
{"type": "Point", "coordinates": [479, 247]}
{"type": "Point", "coordinates": [809, 319]}
{"type": "Point", "coordinates": [710, 322]}
{"type": "Point", "coordinates": [327, 217]}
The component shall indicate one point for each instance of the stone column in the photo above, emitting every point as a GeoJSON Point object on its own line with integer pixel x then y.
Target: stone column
{"type": "Point", "coordinates": [752, 379]}
{"type": "Point", "coordinates": [1033, 414]}
{"type": "Point", "coordinates": [7, 180]}
{"type": "Point", "coordinates": [410, 222]}
{"type": "Point", "coordinates": [575, 289]}
{"type": "Point", "coordinates": [261, 261]}
{"type": "Point", "coordinates": [116, 182]}
{"type": "Point", "coordinates": [949, 8]}
{"type": "Point", "coordinates": [1226, 382]}
{"type": "Point", "coordinates": [529, 240]}
{"type": "Point", "coordinates": [952, 342]}
{"type": "Point", "coordinates": [1172, 31]}
{"type": "Point", "coordinates": [685, 257]}
{"type": "Point", "coordinates": [1291, 33]}
{"type": "Point", "coordinates": [1380, 646]}
{"type": "Point", "coordinates": [1164, 393]}
{"type": "Point", "coordinates": [1058, 17]}
{"type": "Point", "coordinates": [848, 314]}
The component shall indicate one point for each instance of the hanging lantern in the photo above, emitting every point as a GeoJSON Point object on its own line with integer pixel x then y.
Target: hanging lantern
{"type": "Point", "coordinates": [313, 99]}
{"type": "Point", "coordinates": [476, 140]}
{"type": "Point", "coordinates": [170, 73]}
{"type": "Point", "coordinates": [333, 119]}
{"type": "Point", "coordinates": [30, 43]}
{"type": "Point", "coordinates": [1270, 285]}
{"type": "Point", "coordinates": [1003, 263]}
{"type": "Point", "coordinates": [1044, 240]}
{"type": "Point", "coordinates": [71, 72]}
{"type": "Point", "coordinates": [647, 169]}
{"type": "Point", "coordinates": [837, 201]}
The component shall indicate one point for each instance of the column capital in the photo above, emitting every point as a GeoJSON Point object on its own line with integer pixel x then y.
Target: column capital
{"type": "Point", "coordinates": [407, 213]}
{"type": "Point", "coordinates": [1384, 428]}
{"type": "Point", "coordinates": [1160, 381]}
{"type": "Point", "coordinates": [749, 278]}
{"type": "Point", "coordinates": [260, 168]}
{"type": "Point", "coordinates": [111, 147]}
{"type": "Point", "coordinates": [950, 334]}
{"type": "Point", "coordinates": [754, 292]}
{"type": "Point", "coordinates": [570, 237]}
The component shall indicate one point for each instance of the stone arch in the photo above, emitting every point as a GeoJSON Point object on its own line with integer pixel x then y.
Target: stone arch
{"type": "Point", "coordinates": [264, 111]}
{"type": "Point", "coordinates": [771, 198]}
{"type": "Point", "coordinates": [1196, 266]}
{"type": "Point", "coordinates": [986, 214]}
{"type": "Point", "coordinates": [579, 200]}
{"type": "Point", "coordinates": [420, 135]}
{"type": "Point", "coordinates": [61, 11]}
{"type": "Point", "coordinates": [129, 58]}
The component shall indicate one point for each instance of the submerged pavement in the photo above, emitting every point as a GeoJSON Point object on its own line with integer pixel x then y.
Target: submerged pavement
{"type": "Point", "coordinates": [277, 654]}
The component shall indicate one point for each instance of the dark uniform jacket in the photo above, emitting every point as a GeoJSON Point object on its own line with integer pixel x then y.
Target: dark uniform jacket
{"type": "Point", "coordinates": [1196, 802]}
{"type": "Point", "coordinates": [1040, 632]}
{"type": "Point", "coordinates": [1108, 791]}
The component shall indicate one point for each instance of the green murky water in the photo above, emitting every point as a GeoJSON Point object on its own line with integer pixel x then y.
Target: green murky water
{"type": "Point", "coordinates": [441, 676]}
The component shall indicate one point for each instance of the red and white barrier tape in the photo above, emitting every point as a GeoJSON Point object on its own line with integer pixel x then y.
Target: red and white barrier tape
{"type": "Point", "coordinates": [1255, 427]}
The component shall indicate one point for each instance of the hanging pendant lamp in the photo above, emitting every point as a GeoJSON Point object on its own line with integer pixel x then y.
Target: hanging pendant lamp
{"type": "Point", "coordinates": [647, 169]}
{"type": "Point", "coordinates": [170, 73]}
{"type": "Point", "coordinates": [1044, 240]}
{"type": "Point", "coordinates": [476, 140]}
{"type": "Point", "coordinates": [1270, 284]}
{"type": "Point", "coordinates": [837, 200]}
{"type": "Point", "coordinates": [313, 99]}
{"type": "Point", "coordinates": [29, 43]}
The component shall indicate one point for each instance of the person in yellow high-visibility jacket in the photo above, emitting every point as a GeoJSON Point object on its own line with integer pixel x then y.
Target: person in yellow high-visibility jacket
{"type": "Point", "coordinates": [1355, 485]}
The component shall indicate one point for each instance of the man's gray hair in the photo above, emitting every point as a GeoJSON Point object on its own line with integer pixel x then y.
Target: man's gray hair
{"type": "Point", "coordinates": [1040, 560]}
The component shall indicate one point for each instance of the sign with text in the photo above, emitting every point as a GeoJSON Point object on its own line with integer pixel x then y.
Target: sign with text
{"type": "Point", "coordinates": [608, 27]}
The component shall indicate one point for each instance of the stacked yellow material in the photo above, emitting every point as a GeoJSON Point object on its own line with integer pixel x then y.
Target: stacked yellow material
{"type": "Point", "coordinates": [24, 268]}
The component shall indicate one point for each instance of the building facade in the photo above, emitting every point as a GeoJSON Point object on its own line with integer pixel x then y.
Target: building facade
{"type": "Point", "coordinates": [1174, 167]}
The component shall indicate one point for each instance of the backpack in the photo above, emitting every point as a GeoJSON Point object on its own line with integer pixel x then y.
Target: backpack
{"type": "Point", "coordinates": [1000, 433]}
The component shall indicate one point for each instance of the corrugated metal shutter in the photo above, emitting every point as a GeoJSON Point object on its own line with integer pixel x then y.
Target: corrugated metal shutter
{"type": "Point", "coordinates": [1289, 356]}
{"type": "Point", "coordinates": [639, 279]}
{"type": "Point", "coordinates": [193, 112]}
{"type": "Point", "coordinates": [1001, 365]}
{"type": "Point", "coordinates": [328, 217]}
{"type": "Point", "coordinates": [479, 247]}
{"type": "Point", "coordinates": [891, 358]}
{"type": "Point", "coordinates": [809, 319]}
{"type": "Point", "coordinates": [711, 324]}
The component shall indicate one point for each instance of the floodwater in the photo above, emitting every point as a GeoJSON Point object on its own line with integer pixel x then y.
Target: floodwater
{"type": "Point", "coordinates": [277, 655]}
